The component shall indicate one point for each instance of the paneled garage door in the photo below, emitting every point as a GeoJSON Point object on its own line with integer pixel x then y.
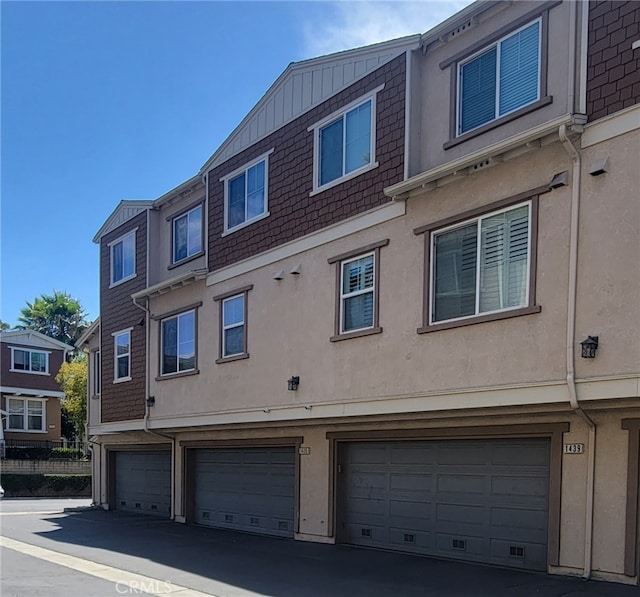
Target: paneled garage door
{"type": "Point", "coordinates": [247, 489]}
{"type": "Point", "coordinates": [475, 500]}
{"type": "Point", "coordinates": [143, 482]}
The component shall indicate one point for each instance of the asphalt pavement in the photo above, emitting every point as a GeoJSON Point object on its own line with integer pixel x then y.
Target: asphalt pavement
{"type": "Point", "coordinates": [102, 554]}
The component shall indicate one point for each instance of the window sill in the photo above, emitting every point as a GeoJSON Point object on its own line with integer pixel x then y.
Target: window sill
{"type": "Point", "coordinates": [122, 379]}
{"type": "Point", "coordinates": [235, 357]}
{"type": "Point", "coordinates": [114, 284]}
{"type": "Point", "coordinates": [26, 431]}
{"type": "Point", "coordinates": [447, 325]}
{"type": "Point", "coordinates": [229, 231]}
{"type": "Point", "coordinates": [167, 376]}
{"type": "Point", "coordinates": [355, 334]}
{"type": "Point", "coordinates": [344, 178]}
{"type": "Point", "coordinates": [29, 372]}
{"type": "Point", "coordinates": [185, 260]}
{"type": "Point", "coordinates": [545, 101]}
{"type": "Point", "coordinates": [95, 397]}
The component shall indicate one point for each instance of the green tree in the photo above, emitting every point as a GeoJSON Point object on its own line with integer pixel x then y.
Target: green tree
{"type": "Point", "coordinates": [56, 315]}
{"type": "Point", "coordinates": [4, 327]}
{"type": "Point", "coordinates": [72, 378]}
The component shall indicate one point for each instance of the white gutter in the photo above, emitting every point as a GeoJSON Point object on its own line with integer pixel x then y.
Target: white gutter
{"type": "Point", "coordinates": [416, 184]}
{"type": "Point", "coordinates": [170, 284]}
{"type": "Point", "coordinates": [571, 346]}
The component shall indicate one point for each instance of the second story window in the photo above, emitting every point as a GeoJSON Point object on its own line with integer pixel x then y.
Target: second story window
{"type": "Point", "coordinates": [481, 266]}
{"type": "Point", "coordinates": [178, 343]}
{"type": "Point", "coordinates": [29, 361]}
{"type": "Point", "coordinates": [500, 79]}
{"type": "Point", "coordinates": [123, 258]}
{"type": "Point", "coordinates": [233, 324]}
{"type": "Point", "coordinates": [246, 194]}
{"type": "Point", "coordinates": [122, 355]}
{"type": "Point", "coordinates": [187, 234]}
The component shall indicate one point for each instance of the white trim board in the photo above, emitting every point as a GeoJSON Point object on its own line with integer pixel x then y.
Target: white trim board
{"type": "Point", "coordinates": [624, 121]}
{"type": "Point", "coordinates": [347, 227]}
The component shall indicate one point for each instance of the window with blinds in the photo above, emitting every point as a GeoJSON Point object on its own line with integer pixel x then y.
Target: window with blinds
{"type": "Point", "coordinates": [500, 79]}
{"type": "Point", "coordinates": [481, 266]}
{"type": "Point", "coordinates": [357, 293]}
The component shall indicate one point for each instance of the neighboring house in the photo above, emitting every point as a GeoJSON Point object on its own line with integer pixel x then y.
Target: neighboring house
{"type": "Point", "coordinates": [29, 363]}
{"type": "Point", "coordinates": [363, 320]}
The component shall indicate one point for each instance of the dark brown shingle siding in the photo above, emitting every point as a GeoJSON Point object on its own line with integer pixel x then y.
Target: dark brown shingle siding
{"type": "Point", "coordinates": [33, 381]}
{"type": "Point", "coordinates": [123, 401]}
{"type": "Point", "coordinates": [293, 213]}
{"type": "Point", "coordinates": [613, 69]}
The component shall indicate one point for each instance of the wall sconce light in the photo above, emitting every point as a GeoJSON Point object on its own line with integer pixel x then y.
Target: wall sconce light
{"type": "Point", "coordinates": [293, 382]}
{"type": "Point", "coordinates": [141, 322]}
{"type": "Point", "coordinates": [151, 400]}
{"type": "Point", "coordinates": [589, 347]}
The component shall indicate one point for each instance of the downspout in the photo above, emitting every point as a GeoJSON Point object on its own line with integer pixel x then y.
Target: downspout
{"type": "Point", "coordinates": [147, 407]}
{"type": "Point", "coordinates": [571, 346]}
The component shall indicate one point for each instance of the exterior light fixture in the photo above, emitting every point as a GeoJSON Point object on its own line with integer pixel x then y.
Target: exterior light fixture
{"type": "Point", "coordinates": [151, 401]}
{"type": "Point", "coordinates": [589, 347]}
{"type": "Point", "coordinates": [293, 382]}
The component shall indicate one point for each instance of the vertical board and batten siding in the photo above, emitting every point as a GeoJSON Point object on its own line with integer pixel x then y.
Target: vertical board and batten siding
{"type": "Point", "coordinates": [294, 212]}
{"type": "Point", "coordinates": [300, 89]}
{"type": "Point", "coordinates": [246, 489]}
{"type": "Point", "coordinates": [143, 482]}
{"type": "Point", "coordinates": [475, 500]}
{"type": "Point", "coordinates": [123, 401]}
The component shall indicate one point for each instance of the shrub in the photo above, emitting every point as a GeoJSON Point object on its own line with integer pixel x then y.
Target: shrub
{"type": "Point", "coordinates": [16, 485]}
{"type": "Point", "coordinates": [28, 453]}
{"type": "Point", "coordinates": [67, 453]}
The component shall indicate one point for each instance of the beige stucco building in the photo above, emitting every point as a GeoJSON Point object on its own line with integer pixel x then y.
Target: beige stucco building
{"type": "Point", "coordinates": [386, 349]}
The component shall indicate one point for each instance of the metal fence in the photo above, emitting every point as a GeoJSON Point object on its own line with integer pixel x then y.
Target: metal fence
{"type": "Point", "coordinates": [35, 449]}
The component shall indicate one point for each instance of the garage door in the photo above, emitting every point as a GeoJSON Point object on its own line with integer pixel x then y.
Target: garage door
{"type": "Point", "coordinates": [143, 482]}
{"type": "Point", "coordinates": [247, 489]}
{"type": "Point", "coordinates": [481, 501]}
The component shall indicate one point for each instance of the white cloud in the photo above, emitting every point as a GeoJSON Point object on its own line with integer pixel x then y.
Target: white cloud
{"type": "Point", "coordinates": [350, 24]}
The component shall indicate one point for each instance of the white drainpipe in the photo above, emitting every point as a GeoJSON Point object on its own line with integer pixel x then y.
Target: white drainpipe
{"type": "Point", "coordinates": [571, 346]}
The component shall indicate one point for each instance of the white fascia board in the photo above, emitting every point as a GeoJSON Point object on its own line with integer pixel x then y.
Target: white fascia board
{"type": "Point", "coordinates": [88, 333]}
{"type": "Point", "coordinates": [141, 203]}
{"type": "Point", "coordinates": [403, 190]}
{"type": "Point", "coordinates": [31, 393]}
{"type": "Point", "coordinates": [42, 338]}
{"type": "Point", "coordinates": [175, 193]}
{"type": "Point", "coordinates": [614, 125]}
{"type": "Point", "coordinates": [171, 283]}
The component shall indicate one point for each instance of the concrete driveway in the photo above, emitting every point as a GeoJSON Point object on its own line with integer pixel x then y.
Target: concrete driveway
{"type": "Point", "coordinates": [168, 558]}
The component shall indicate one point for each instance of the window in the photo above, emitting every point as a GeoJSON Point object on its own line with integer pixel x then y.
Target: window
{"type": "Point", "coordinates": [187, 234]}
{"type": "Point", "coordinates": [26, 415]}
{"type": "Point", "coordinates": [357, 292]}
{"type": "Point", "coordinates": [246, 192]}
{"type": "Point", "coordinates": [29, 361]}
{"type": "Point", "coordinates": [178, 343]}
{"type": "Point", "coordinates": [233, 324]}
{"type": "Point", "coordinates": [500, 79]}
{"type": "Point", "coordinates": [122, 357]}
{"type": "Point", "coordinates": [481, 266]}
{"type": "Point", "coordinates": [123, 258]}
{"type": "Point", "coordinates": [97, 372]}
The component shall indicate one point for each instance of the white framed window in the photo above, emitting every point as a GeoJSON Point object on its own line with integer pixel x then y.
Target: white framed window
{"type": "Point", "coordinates": [502, 78]}
{"type": "Point", "coordinates": [123, 258]}
{"type": "Point", "coordinates": [26, 414]}
{"type": "Point", "coordinates": [122, 355]}
{"type": "Point", "coordinates": [246, 192]}
{"type": "Point", "coordinates": [234, 331]}
{"type": "Point", "coordinates": [344, 143]}
{"type": "Point", "coordinates": [97, 373]}
{"type": "Point", "coordinates": [481, 266]}
{"type": "Point", "coordinates": [187, 234]}
{"type": "Point", "coordinates": [27, 360]}
{"type": "Point", "coordinates": [178, 343]}
{"type": "Point", "coordinates": [357, 293]}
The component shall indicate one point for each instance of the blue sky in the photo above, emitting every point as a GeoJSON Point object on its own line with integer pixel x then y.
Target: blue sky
{"type": "Point", "coordinates": [103, 101]}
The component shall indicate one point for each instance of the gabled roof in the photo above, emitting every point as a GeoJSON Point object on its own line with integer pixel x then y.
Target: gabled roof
{"type": "Point", "coordinates": [125, 210]}
{"type": "Point", "coordinates": [302, 86]}
{"type": "Point", "coordinates": [88, 333]}
{"type": "Point", "coordinates": [33, 338]}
